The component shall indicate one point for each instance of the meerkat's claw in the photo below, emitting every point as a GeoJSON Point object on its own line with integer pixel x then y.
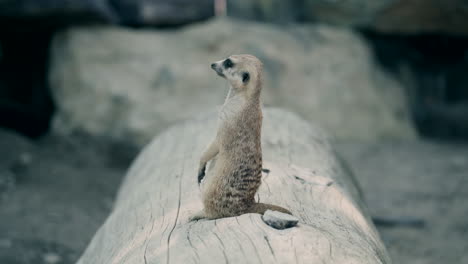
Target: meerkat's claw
{"type": "Point", "coordinates": [201, 174]}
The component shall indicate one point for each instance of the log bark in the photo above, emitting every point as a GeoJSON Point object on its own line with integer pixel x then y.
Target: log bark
{"type": "Point", "coordinates": [149, 223]}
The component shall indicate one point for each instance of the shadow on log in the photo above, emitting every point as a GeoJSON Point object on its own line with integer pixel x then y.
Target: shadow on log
{"type": "Point", "coordinates": [149, 223]}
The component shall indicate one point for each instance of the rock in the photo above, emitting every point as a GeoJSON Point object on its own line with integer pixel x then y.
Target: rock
{"type": "Point", "coordinates": [130, 12]}
{"type": "Point", "coordinates": [7, 182]}
{"type": "Point", "coordinates": [69, 10]}
{"type": "Point", "coordinates": [423, 16]}
{"type": "Point", "coordinates": [5, 243]}
{"type": "Point", "coordinates": [163, 12]}
{"type": "Point", "coordinates": [350, 13]}
{"type": "Point", "coordinates": [391, 16]}
{"type": "Point", "coordinates": [279, 220]}
{"type": "Point", "coordinates": [131, 84]}
{"type": "Point", "coordinates": [270, 10]}
{"type": "Point", "coordinates": [340, 12]}
{"type": "Point", "coordinates": [15, 163]}
{"type": "Point", "coordinates": [51, 258]}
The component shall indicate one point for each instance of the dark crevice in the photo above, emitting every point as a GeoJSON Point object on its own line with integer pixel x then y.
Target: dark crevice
{"type": "Point", "coordinates": [146, 242]}
{"type": "Point", "coordinates": [26, 104]}
{"type": "Point", "coordinates": [175, 221]}
{"type": "Point", "coordinates": [191, 244]}
{"type": "Point", "coordinates": [223, 249]}
{"type": "Point", "coordinates": [269, 246]}
{"type": "Point", "coordinates": [25, 100]}
{"type": "Point", "coordinates": [250, 240]}
{"type": "Point", "coordinates": [432, 68]}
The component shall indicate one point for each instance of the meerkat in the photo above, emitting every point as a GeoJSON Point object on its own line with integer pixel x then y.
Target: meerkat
{"type": "Point", "coordinates": [229, 189]}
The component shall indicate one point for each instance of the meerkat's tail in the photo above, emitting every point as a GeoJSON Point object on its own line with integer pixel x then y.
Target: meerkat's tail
{"type": "Point", "coordinates": [260, 208]}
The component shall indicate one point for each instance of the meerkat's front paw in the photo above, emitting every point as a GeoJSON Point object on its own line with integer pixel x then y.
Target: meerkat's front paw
{"type": "Point", "coordinates": [201, 173]}
{"type": "Point", "coordinates": [197, 216]}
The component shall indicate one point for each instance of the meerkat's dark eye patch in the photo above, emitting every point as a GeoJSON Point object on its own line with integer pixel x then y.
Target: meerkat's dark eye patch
{"type": "Point", "coordinates": [228, 63]}
{"type": "Point", "coordinates": [245, 77]}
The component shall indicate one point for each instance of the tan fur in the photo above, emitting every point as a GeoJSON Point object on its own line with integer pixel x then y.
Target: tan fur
{"type": "Point", "coordinates": [229, 189]}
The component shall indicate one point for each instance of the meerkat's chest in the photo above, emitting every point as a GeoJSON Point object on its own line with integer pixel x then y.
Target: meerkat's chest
{"type": "Point", "coordinates": [230, 115]}
{"type": "Point", "coordinates": [231, 109]}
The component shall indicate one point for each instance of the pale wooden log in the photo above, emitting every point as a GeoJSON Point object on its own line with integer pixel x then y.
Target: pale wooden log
{"type": "Point", "coordinates": [149, 223]}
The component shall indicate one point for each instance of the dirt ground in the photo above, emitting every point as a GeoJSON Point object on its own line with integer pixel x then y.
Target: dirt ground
{"type": "Point", "coordinates": [56, 192]}
{"type": "Point", "coordinates": [416, 181]}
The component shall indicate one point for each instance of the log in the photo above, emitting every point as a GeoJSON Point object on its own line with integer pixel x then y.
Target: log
{"type": "Point", "coordinates": [149, 223]}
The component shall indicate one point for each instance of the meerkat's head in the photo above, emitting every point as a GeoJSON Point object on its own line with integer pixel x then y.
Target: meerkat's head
{"type": "Point", "coordinates": [243, 72]}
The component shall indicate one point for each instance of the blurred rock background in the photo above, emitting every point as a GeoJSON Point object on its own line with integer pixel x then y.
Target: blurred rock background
{"type": "Point", "coordinates": [85, 84]}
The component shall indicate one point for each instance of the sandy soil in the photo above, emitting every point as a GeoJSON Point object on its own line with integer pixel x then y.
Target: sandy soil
{"type": "Point", "coordinates": [55, 193]}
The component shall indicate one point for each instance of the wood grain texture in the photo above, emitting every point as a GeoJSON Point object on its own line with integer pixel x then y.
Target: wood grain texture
{"type": "Point", "coordinates": [149, 223]}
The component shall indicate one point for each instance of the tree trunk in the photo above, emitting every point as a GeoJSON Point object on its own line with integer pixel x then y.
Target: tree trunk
{"type": "Point", "coordinates": [149, 223]}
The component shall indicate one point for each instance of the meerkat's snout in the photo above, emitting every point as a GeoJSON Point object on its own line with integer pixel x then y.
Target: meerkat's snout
{"type": "Point", "coordinates": [217, 68]}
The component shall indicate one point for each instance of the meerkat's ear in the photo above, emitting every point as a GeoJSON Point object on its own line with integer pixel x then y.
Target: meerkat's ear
{"type": "Point", "coordinates": [245, 77]}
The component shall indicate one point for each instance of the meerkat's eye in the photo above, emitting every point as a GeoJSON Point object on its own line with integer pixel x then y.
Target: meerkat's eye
{"type": "Point", "coordinates": [245, 77]}
{"type": "Point", "coordinates": [228, 63]}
